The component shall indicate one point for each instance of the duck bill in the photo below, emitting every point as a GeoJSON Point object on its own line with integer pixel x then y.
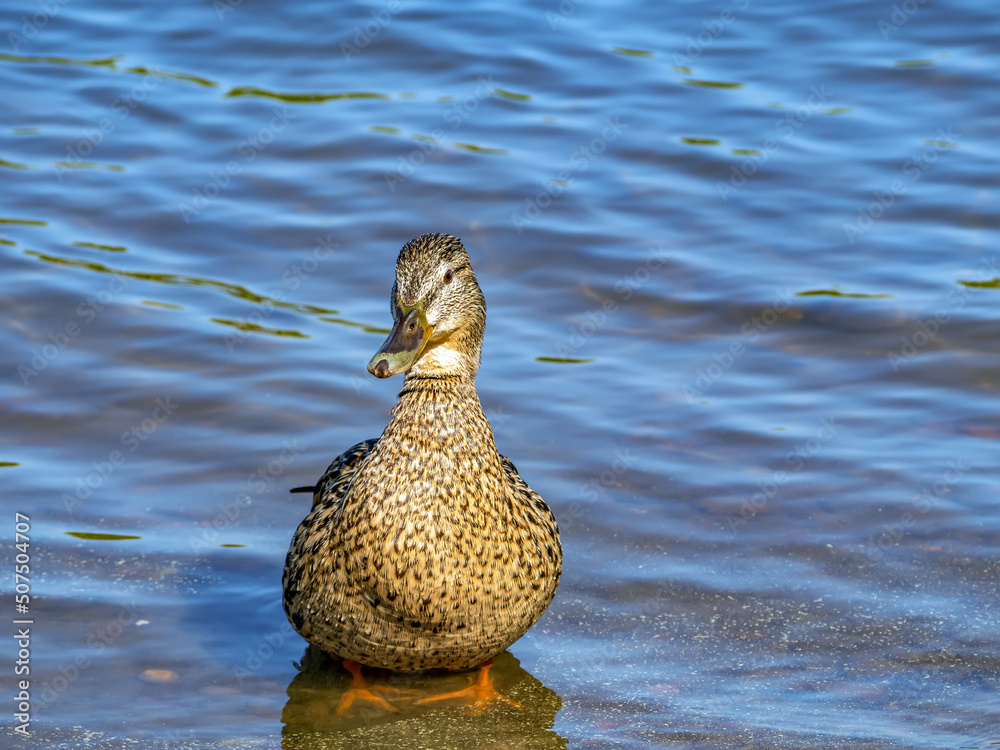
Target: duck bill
{"type": "Point", "coordinates": [405, 344]}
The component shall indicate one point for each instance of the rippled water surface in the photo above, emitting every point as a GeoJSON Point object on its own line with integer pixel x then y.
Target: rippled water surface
{"type": "Point", "coordinates": [742, 264]}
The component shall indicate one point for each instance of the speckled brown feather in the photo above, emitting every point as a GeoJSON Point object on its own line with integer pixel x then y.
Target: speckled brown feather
{"type": "Point", "coordinates": [424, 549]}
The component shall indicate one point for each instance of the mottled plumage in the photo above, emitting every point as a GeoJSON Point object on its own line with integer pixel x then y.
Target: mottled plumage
{"type": "Point", "coordinates": [425, 548]}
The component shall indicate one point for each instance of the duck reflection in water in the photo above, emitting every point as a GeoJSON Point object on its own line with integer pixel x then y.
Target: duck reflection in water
{"type": "Point", "coordinates": [313, 696]}
{"type": "Point", "coordinates": [424, 548]}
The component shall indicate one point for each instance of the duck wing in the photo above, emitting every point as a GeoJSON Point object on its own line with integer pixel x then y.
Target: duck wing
{"type": "Point", "coordinates": [338, 475]}
{"type": "Point", "coordinates": [527, 495]}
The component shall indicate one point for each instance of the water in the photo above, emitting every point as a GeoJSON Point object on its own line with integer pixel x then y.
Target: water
{"type": "Point", "coordinates": [765, 237]}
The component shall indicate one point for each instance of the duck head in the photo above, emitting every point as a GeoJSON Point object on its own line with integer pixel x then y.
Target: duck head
{"type": "Point", "coordinates": [438, 312]}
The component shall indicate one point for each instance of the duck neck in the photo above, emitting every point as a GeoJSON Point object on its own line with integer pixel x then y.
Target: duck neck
{"type": "Point", "coordinates": [447, 404]}
{"type": "Point", "coordinates": [439, 386]}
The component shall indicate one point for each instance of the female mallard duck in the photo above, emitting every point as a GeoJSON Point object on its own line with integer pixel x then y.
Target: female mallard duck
{"type": "Point", "coordinates": [424, 548]}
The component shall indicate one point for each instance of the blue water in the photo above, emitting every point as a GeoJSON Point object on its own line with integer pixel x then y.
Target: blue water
{"type": "Point", "coordinates": [742, 266]}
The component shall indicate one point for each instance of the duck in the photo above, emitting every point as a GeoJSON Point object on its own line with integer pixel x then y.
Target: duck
{"type": "Point", "coordinates": [424, 548]}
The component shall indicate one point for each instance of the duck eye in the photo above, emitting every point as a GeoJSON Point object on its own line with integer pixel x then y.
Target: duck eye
{"type": "Point", "coordinates": [448, 276]}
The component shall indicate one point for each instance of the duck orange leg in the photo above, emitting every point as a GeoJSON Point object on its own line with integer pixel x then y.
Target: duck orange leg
{"type": "Point", "coordinates": [479, 694]}
{"type": "Point", "coordinates": [360, 690]}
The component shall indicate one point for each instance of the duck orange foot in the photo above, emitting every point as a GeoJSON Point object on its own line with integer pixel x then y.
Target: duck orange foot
{"type": "Point", "coordinates": [360, 690]}
{"type": "Point", "coordinates": [480, 693]}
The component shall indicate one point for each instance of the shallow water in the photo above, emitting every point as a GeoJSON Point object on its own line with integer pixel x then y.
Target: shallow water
{"type": "Point", "coordinates": [742, 266]}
